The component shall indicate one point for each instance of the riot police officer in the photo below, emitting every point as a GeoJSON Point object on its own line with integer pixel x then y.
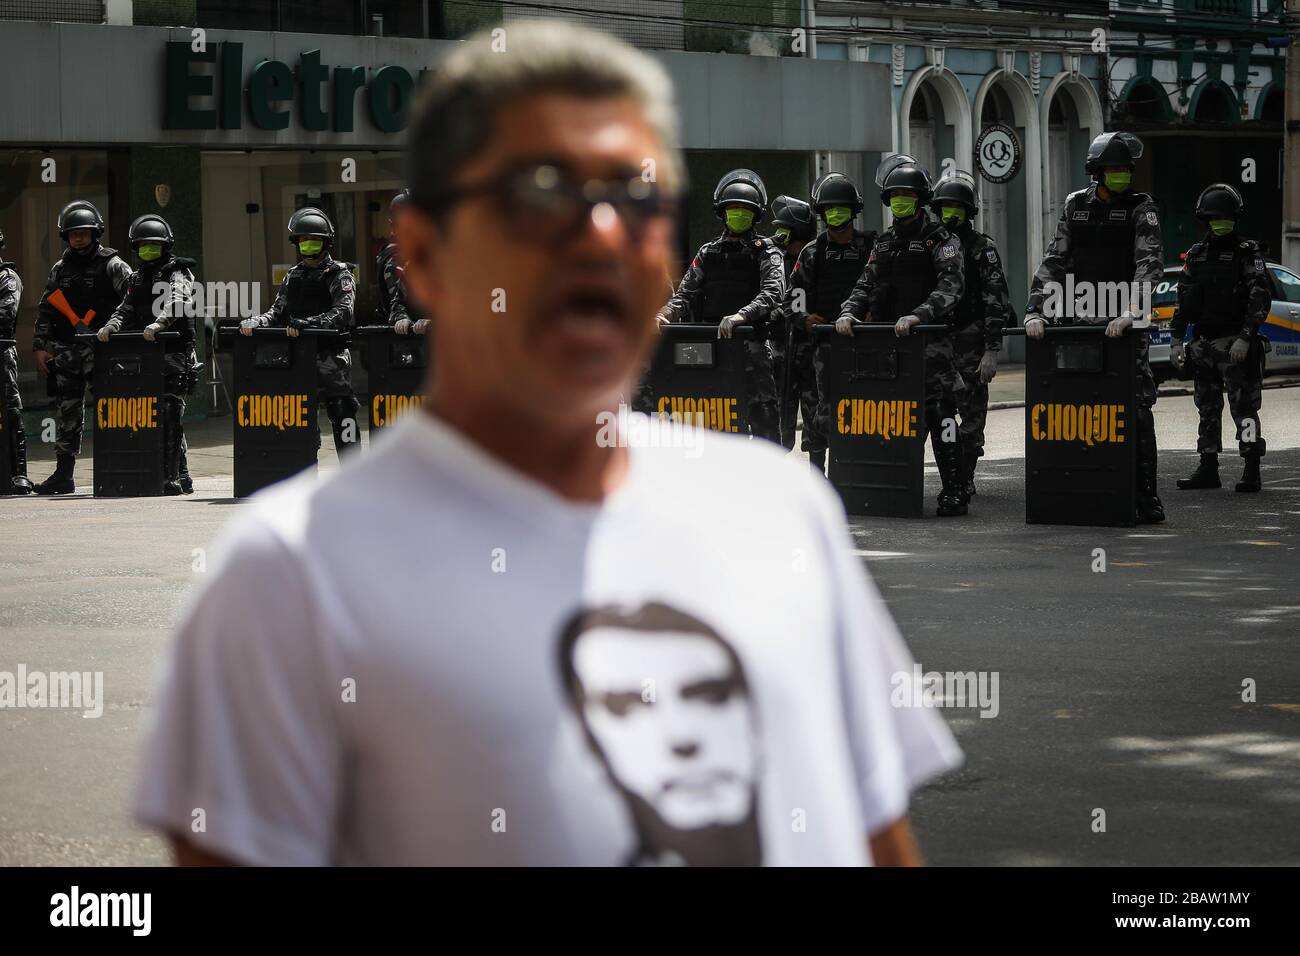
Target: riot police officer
{"type": "Point", "coordinates": [738, 279]}
{"type": "Point", "coordinates": [11, 291]}
{"type": "Point", "coordinates": [160, 297]}
{"type": "Point", "coordinates": [1223, 293]}
{"type": "Point", "coordinates": [984, 311]}
{"type": "Point", "coordinates": [394, 307]}
{"type": "Point", "coordinates": [793, 227]}
{"type": "Point", "coordinates": [318, 293]}
{"type": "Point", "coordinates": [915, 274]}
{"type": "Point", "coordinates": [1109, 234]}
{"type": "Point", "coordinates": [85, 286]}
{"type": "Point", "coordinates": [823, 278]}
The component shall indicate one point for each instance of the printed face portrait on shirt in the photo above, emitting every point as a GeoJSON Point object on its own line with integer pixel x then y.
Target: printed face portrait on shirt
{"type": "Point", "coordinates": [664, 703]}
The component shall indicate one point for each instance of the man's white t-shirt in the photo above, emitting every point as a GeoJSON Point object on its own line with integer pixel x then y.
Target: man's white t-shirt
{"type": "Point", "coordinates": [429, 658]}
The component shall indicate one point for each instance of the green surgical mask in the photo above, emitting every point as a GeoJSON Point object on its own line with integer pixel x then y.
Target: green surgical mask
{"type": "Point", "coordinates": [1117, 182]}
{"type": "Point", "coordinates": [149, 252]}
{"type": "Point", "coordinates": [903, 207]}
{"type": "Point", "coordinates": [1221, 227]}
{"type": "Point", "coordinates": [311, 247]}
{"type": "Point", "coordinates": [782, 234]}
{"type": "Point", "coordinates": [952, 215]}
{"type": "Point", "coordinates": [837, 216]}
{"type": "Point", "coordinates": [740, 220]}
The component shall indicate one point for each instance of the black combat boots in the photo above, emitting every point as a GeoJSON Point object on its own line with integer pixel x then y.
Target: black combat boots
{"type": "Point", "coordinates": [952, 499]}
{"type": "Point", "coordinates": [19, 483]}
{"type": "Point", "coordinates": [1206, 474]}
{"type": "Point", "coordinates": [817, 460]}
{"type": "Point", "coordinates": [1250, 475]}
{"type": "Point", "coordinates": [59, 483]}
{"type": "Point", "coordinates": [1150, 509]}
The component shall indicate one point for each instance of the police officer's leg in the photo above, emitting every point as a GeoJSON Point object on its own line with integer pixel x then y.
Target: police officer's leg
{"type": "Point", "coordinates": [1150, 509]}
{"type": "Point", "coordinates": [1207, 393]}
{"type": "Point", "coordinates": [72, 365]}
{"type": "Point", "coordinates": [174, 371]}
{"type": "Point", "coordinates": [819, 355]}
{"type": "Point", "coordinates": [764, 419]}
{"type": "Point", "coordinates": [809, 374]}
{"type": "Point", "coordinates": [19, 483]}
{"type": "Point", "coordinates": [334, 377]}
{"type": "Point", "coordinates": [1245, 395]}
{"type": "Point", "coordinates": [942, 386]}
{"type": "Point", "coordinates": [786, 401]}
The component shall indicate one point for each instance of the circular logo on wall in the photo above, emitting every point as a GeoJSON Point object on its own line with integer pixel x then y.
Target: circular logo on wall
{"type": "Point", "coordinates": [997, 153]}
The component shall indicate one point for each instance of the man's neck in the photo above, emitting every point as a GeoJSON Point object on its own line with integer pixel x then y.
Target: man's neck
{"type": "Point", "coordinates": [564, 458]}
{"type": "Point", "coordinates": [842, 235]}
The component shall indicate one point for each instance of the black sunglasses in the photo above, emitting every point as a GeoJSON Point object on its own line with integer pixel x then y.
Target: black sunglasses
{"type": "Point", "coordinates": [543, 202]}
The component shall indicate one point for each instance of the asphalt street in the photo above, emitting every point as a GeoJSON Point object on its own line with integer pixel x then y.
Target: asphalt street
{"type": "Point", "coordinates": [1119, 691]}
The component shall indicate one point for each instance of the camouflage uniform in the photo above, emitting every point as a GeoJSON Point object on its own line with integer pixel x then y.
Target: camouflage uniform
{"type": "Point", "coordinates": [322, 297]}
{"type": "Point", "coordinates": [984, 312]}
{"type": "Point", "coordinates": [393, 302]}
{"type": "Point", "coordinates": [930, 288]}
{"type": "Point", "coordinates": [162, 292]}
{"type": "Point", "coordinates": [825, 273]}
{"type": "Point", "coordinates": [1223, 293]}
{"type": "Point", "coordinates": [744, 275]}
{"type": "Point", "coordinates": [92, 280]}
{"type": "Point", "coordinates": [1115, 241]}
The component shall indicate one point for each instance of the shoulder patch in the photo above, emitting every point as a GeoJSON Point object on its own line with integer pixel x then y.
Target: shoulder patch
{"type": "Point", "coordinates": [992, 255]}
{"type": "Point", "coordinates": [1152, 220]}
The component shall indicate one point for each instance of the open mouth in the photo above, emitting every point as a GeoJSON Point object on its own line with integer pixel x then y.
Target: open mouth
{"type": "Point", "coordinates": [591, 316]}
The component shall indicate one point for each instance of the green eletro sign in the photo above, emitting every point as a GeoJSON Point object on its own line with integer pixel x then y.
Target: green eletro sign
{"type": "Point", "coordinates": [325, 95]}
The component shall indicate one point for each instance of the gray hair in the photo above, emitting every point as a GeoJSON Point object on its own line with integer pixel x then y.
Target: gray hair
{"type": "Point", "coordinates": [452, 119]}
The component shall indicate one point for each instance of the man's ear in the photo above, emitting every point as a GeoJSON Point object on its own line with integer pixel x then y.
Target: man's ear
{"type": "Point", "coordinates": [418, 240]}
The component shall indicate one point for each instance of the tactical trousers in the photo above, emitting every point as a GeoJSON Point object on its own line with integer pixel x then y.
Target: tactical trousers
{"type": "Point", "coordinates": [71, 369]}
{"type": "Point", "coordinates": [1213, 373]}
{"type": "Point", "coordinates": [9, 379]}
{"type": "Point", "coordinates": [334, 383]}
{"type": "Point", "coordinates": [973, 399]}
{"type": "Point", "coordinates": [764, 416]}
{"type": "Point", "coordinates": [180, 375]}
{"type": "Point", "coordinates": [802, 400]}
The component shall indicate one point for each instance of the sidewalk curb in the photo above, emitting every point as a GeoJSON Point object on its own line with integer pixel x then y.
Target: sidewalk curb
{"type": "Point", "coordinates": [1288, 381]}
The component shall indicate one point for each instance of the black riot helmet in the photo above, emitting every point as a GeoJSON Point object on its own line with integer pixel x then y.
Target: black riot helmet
{"type": "Point", "coordinates": [836, 189]}
{"type": "Point", "coordinates": [957, 188]}
{"type": "Point", "coordinates": [399, 201]}
{"type": "Point", "coordinates": [150, 228]}
{"type": "Point", "coordinates": [1219, 201]}
{"type": "Point", "coordinates": [795, 215]}
{"type": "Point", "coordinates": [741, 187]}
{"type": "Point", "coordinates": [1112, 149]}
{"type": "Point", "coordinates": [901, 171]}
{"type": "Point", "coordinates": [80, 214]}
{"type": "Point", "coordinates": [310, 222]}
{"type": "Point", "coordinates": [2, 238]}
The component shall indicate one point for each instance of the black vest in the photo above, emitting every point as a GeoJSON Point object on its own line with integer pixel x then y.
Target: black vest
{"type": "Point", "coordinates": [837, 270]}
{"type": "Point", "coordinates": [1101, 237]}
{"type": "Point", "coordinates": [86, 285]}
{"type": "Point", "coordinates": [905, 269]}
{"type": "Point", "coordinates": [1223, 294]}
{"type": "Point", "coordinates": [141, 295]}
{"type": "Point", "coordinates": [731, 279]}
{"type": "Point", "coordinates": [308, 291]}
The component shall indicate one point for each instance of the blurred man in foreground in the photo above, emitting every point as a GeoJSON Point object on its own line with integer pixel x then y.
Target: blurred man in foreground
{"type": "Point", "coordinates": [505, 636]}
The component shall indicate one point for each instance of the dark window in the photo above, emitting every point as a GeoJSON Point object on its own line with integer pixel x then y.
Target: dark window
{"type": "Point", "coordinates": [320, 16]}
{"type": "Point", "coordinates": [237, 14]}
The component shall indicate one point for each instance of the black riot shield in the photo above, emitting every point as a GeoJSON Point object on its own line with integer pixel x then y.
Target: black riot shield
{"type": "Point", "coordinates": [275, 429]}
{"type": "Point", "coordinates": [1081, 427]}
{"type": "Point", "coordinates": [6, 432]}
{"type": "Point", "coordinates": [875, 389]}
{"type": "Point", "coordinates": [127, 387]}
{"type": "Point", "coordinates": [699, 379]}
{"type": "Point", "coordinates": [395, 367]}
